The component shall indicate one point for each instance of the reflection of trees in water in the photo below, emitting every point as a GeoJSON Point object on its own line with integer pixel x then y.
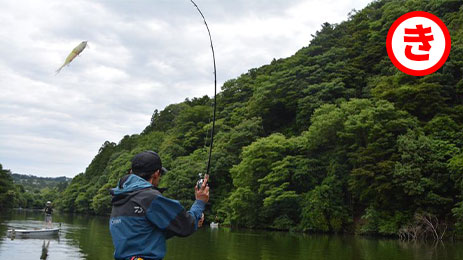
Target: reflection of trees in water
{"type": "Point", "coordinates": [431, 249]}
{"type": "Point", "coordinates": [45, 245]}
{"type": "Point", "coordinates": [3, 227]}
{"type": "Point", "coordinates": [87, 237]}
{"type": "Point", "coordinates": [91, 235]}
{"type": "Point", "coordinates": [224, 243]}
{"type": "Point", "coordinates": [22, 214]}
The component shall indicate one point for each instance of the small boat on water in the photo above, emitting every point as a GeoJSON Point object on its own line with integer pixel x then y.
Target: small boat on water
{"type": "Point", "coordinates": [214, 225]}
{"type": "Point", "coordinates": [33, 232]}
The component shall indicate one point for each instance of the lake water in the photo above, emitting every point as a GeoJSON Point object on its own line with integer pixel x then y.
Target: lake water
{"type": "Point", "coordinates": [87, 237]}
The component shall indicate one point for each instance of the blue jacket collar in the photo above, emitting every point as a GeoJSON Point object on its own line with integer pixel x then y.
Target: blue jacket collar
{"type": "Point", "coordinates": [130, 183]}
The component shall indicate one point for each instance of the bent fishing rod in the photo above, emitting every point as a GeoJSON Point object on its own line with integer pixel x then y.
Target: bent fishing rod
{"type": "Point", "coordinates": [215, 89]}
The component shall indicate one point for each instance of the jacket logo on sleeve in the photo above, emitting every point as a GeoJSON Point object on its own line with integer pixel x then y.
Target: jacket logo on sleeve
{"type": "Point", "coordinates": [138, 210]}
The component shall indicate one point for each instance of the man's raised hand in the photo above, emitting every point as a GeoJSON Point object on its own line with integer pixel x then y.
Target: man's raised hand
{"type": "Point", "coordinates": [203, 192]}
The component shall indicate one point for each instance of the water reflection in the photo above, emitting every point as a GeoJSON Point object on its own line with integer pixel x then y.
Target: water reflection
{"type": "Point", "coordinates": [45, 246]}
{"type": "Point", "coordinates": [39, 247]}
{"type": "Point", "coordinates": [87, 237]}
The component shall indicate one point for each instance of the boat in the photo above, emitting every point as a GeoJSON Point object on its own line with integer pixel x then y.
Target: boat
{"type": "Point", "coordinates": [33, 232]}
{"type": "Point", "coordinates": [214, 225]}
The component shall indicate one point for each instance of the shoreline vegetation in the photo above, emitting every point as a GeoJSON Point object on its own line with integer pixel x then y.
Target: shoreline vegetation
{"type": "Point", "coordinates": [333, 139]}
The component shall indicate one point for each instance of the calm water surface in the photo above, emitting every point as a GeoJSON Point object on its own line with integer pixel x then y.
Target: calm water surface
{"type": "Point", "coordinates": [87, 237]}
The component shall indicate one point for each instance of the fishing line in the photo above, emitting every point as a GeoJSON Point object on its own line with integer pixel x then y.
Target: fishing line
{"type": "Point", "coordinates": [215, 88]}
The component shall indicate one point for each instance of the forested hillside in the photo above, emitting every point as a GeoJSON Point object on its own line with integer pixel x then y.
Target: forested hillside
{"type": "Point", "coordinates": [333, 138]}
{"type": "Point", "coordinates": [33, 183]}
{"type": "Point", "coordinates": [28, 191]}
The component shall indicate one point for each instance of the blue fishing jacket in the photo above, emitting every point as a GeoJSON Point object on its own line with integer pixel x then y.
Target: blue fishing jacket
{"type": "Point", "coordinates": [142, 219]}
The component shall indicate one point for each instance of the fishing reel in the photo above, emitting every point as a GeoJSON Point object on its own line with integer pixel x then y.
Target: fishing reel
{"type": "Point", "coordinates": [200, 182]}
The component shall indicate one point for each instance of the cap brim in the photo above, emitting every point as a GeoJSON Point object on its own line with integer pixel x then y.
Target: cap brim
{"type": "Point", "coordinates": [163, 170]}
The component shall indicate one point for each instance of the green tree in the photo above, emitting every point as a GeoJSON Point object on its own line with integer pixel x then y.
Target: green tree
{"type": "Point", "coordinates": [7, 190]}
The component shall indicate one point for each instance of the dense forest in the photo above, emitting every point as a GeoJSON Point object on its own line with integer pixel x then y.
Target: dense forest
{"type": "Point", "coordinates": [331, 139]}
{"type": "Point", "coordinates": [28, 191]}
{"type": "Point", "coordinates": [33, 183]}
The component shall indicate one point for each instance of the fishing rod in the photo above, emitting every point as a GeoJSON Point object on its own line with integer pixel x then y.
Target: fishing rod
{"type": "Point", "coordinates": [215, 92]}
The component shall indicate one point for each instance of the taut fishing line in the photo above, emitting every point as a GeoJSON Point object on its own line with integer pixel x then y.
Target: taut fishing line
{"type": "Point", "coordinates": [215, 88]}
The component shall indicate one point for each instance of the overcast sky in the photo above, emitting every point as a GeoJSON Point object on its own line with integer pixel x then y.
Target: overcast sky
{"type": "Point", "coordinates": [143, 55]}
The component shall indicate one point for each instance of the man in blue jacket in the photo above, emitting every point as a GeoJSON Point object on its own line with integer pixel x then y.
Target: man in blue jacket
{"type": "Point", "coordinates": [142, 219]}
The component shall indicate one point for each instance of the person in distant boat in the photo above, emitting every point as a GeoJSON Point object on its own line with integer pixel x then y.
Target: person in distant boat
{"type": "Point", "coordinates": [142, 219]}
{"type": "Point", "coordinates": [48, 211]}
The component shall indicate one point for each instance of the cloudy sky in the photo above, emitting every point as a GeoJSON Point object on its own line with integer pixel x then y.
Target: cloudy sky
{"type": "Point", "coordinates": [143, 55]}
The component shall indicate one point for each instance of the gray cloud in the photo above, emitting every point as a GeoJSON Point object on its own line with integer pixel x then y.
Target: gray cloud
{"type": "Point", "coordinates": [142, 55]}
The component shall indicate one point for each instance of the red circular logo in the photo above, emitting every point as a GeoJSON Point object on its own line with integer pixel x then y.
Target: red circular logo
{"type": "Point", "coordinates": [418, 43]}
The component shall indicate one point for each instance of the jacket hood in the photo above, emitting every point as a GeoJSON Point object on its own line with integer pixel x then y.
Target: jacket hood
{"type": "Point", "coordinates": [130, 183]}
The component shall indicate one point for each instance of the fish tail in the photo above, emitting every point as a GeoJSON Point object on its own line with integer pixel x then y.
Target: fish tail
{"type": "Point", "coordinates": [68, 60]}
{"type": "Point", "coordinates": [58, 70]}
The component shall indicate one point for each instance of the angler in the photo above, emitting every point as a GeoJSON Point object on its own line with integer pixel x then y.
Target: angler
{"type": "Point", "coordinates": [142, 219]}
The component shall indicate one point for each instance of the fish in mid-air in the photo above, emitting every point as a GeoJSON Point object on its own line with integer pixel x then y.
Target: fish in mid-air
{"type": "Point", "coordinates": [76, 51]}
